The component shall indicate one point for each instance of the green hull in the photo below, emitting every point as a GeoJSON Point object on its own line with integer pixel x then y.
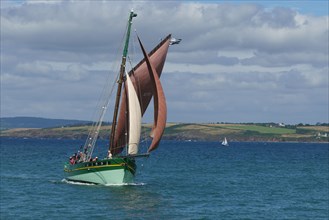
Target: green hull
{"type": "Point", "coordinates": [105, 172]}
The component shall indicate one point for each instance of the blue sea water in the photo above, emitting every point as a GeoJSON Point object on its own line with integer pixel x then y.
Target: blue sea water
{"type": "Point", "coordinates": [180, 180]}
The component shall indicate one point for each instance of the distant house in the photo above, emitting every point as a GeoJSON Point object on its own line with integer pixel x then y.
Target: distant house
{"type": "Point", "coordinates": [322, 134]}
{"type": "Point", "coordinates": [282, 125]}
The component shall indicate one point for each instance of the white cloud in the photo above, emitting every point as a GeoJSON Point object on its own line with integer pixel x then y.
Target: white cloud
{"type": "Point", "coordinates": [236, 62]}
{"type": "Point", "coordinates": [37, 68]}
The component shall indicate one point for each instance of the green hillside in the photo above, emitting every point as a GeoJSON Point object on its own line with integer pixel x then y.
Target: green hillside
{"type": "Point", "coordinates": [36, 122]}
{"type": "Point", "coordinates": [203, 132]}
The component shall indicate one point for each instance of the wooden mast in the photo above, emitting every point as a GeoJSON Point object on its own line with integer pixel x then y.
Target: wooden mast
{"type": "Point", "coordinates": [120, 80]}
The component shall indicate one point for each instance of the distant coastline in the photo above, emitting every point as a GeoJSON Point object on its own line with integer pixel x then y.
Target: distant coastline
{"type": "Point", "coordinates": [248, 132]}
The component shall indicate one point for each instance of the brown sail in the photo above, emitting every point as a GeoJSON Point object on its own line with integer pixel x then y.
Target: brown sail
{"type": "Point", "coordinates": [144, 85]}
{"type": "Point", "coordinates": [160, 107]}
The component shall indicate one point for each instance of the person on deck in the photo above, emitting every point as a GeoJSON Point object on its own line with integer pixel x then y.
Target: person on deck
{"type": "Point", "coordinates": [72, 160]}
{"type": "Point", "coordinates": [78, 155]}
{"type": "Point", "coordinates": [81, 157]}
{"type": "Point", "coordinates": [109, 155]}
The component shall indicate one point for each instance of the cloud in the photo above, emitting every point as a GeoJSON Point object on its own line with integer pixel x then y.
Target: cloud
{"type": "Point", "coordinates": [36, 68]}
{"type": "Point", "coordinates": [236, 62]}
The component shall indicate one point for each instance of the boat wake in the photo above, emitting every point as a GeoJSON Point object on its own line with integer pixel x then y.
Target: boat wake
{"type": "Point", "coordinates": [91, 184]}
{"type": "Point", "coordinates": [77, 183]}
{"type": "Point", "coordinates": [126, 184]}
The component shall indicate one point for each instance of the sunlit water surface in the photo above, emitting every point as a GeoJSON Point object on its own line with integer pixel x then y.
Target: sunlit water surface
{"type": "Point", "coordinates": [180, 180]}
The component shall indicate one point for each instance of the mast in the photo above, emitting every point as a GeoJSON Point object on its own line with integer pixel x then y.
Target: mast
{"type": "Point", "coordinates": [120, 80]}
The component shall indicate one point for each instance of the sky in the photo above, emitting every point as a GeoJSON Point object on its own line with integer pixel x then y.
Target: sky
{"type": "Point", "coordinates": [238, 61]}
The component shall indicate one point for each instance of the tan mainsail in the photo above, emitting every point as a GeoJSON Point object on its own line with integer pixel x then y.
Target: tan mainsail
{"type": "Point", "coordinates": [144, 84]}
{"type": "Point", "coordinates": [135, 118]}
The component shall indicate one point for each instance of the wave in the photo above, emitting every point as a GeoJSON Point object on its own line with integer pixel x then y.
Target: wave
{"type": "Point", "coordinates": [21, 176]}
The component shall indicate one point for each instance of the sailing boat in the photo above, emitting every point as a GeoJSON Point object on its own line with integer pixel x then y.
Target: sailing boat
{"type": "Point", "coordinates": [225, 143]}
{"type": "Point", "coordinates": [135, 89]}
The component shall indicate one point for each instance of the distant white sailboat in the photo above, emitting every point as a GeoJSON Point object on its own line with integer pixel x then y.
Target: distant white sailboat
{"type": "Point", "coordinates": [225, 143]}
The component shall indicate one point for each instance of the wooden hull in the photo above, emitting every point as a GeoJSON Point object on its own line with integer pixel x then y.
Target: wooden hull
{"type": "Point", "coordinates": [104, 172]}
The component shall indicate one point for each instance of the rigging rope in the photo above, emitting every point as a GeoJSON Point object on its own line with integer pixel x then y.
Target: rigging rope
{"type": "Point", "coordinates": [103, 104]}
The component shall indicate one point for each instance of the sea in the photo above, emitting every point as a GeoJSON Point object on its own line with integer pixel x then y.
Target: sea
{"type": "Point", "coordinates": [180, 180]}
